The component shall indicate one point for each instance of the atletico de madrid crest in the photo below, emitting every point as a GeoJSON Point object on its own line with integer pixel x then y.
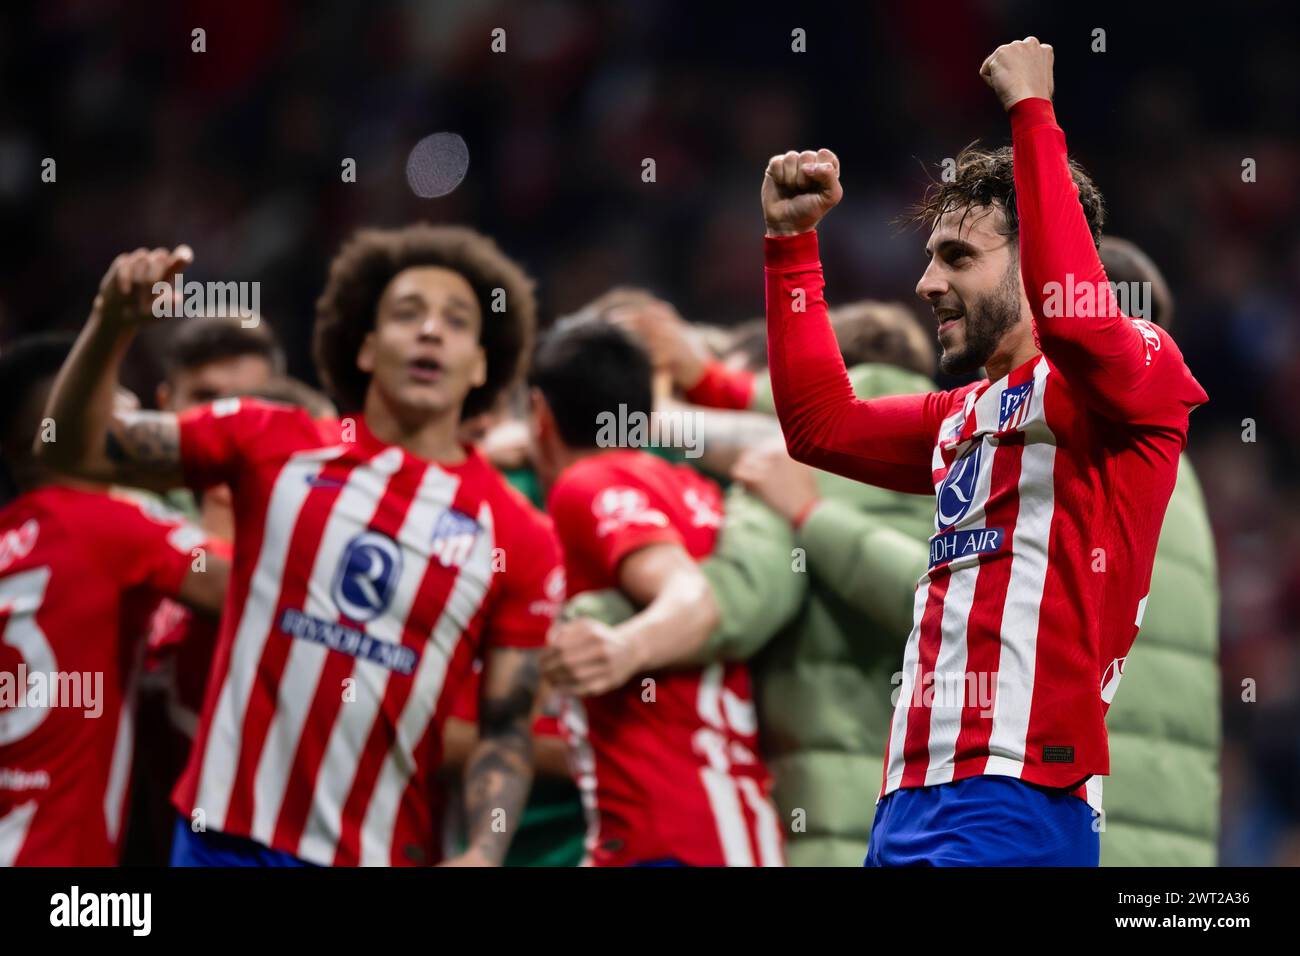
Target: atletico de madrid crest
{"type": "Point", "coordinates": [1014, 407]}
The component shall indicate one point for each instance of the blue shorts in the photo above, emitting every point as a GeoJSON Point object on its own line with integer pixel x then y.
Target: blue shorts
{"type": "Point", "coordinates": [983, 821]}
{"type": "Point", "coordinates": [665, 861]}
{"type": "Point", "coordinates": [211, 848]}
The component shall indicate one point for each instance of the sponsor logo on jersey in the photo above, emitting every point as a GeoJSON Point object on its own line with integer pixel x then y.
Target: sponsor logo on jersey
{"type": "Point", "coordinates": [17, 543]}
{"type": "Point", "coordinates": [553, 588]}
{"type": "Point", "coordinates": [367, 576]}
{"type": "Point", "coordinates": [958, 488]}
{"type": "Point", "coordinates": [1149, 336]}
{"type": "Point", "coordinates": [348, 640]}
{"type": "Point", "coordinates": [958, 544]}
{"type": "Point", "coordinates": [703, 513]}
{"type": "Point", "coordinates": [621, 506]}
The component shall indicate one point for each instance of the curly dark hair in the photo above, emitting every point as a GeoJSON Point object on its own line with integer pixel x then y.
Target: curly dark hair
{"type": "Point", "coordinates": [986, 176]}
{"type": "Point", "coordinates": [367, 262]}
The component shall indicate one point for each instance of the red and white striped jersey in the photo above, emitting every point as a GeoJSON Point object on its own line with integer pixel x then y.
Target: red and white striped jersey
{"type": "Point", "coordinates": [80, 573]}
{"type": "Point", "coordinates": [1050, 489]}
{"type": "Point", "coordinates": [365, 582]}
{"type": "Point", "coordinates": [668, 769]}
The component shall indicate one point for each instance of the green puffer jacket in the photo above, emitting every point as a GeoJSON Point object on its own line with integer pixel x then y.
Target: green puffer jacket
{"type": "Point", "coordinates": [1162, 796]}
{"type": "Point", "coordinates": [824, 640]}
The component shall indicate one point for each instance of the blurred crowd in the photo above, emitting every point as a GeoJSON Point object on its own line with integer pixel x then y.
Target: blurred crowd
{"type": "Point", "coordinates": [238, 151]}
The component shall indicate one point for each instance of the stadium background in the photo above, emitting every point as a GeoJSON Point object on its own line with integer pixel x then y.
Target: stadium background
{"type": "Point", "coordinates": [237, 151]}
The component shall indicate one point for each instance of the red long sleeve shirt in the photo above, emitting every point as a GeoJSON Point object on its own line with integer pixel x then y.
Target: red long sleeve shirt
{"type": "Point", "coordinates": [1050, 488]}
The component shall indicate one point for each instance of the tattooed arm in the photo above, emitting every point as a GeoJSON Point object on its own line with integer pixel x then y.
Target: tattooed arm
{"type": "Point", "coordinates": [89, 438]}
{"type": "Point", "coordinates": [500, 770]}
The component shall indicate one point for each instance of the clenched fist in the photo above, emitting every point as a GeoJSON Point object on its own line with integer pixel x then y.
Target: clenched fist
{"type": "Point", "coordinates": [798, 189]}
{"type": "Point", "coordinates": [586, 657]}
{"type": "Point", "coordinates": [1020, 70]}
{"type": "Point", "coordinates": [126, 293]}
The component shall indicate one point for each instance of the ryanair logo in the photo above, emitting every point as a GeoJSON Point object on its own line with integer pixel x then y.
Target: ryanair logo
{"type": "Point", "coordinates": [958, 544]}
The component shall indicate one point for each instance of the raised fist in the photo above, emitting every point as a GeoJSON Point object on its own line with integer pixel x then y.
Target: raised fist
{"type": "Point", "coordinates": [798, 189]}
{"type": "Point", "coordinates": [127, 293]}
{"type": "Point", "coordinates": [1019, 70]}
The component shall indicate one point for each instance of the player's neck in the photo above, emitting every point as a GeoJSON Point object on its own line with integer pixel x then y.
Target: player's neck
{"type": "Point", "coordinates": [217, 519]}
{"type": "Point", "coordinates": [1004, 361]}
{"type": "Point", "coordinates": [28, 476]}
{"type": "Point", "coordinates": [556, 460]}
{"type": "Point", "coordinates": [430, 437]}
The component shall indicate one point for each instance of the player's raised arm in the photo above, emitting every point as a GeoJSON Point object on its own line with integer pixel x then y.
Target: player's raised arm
{"type": "Point", "coordinates": [1128, 370]}
{"type": "Point", "coordinates": [887, 441]}
{"type": "Point", "coordinates": [91, 439]}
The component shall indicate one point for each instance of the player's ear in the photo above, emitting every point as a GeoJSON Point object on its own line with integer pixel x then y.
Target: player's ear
{"type": "Point", "coordinates": [163, 394]}
{"type": "Point", "coordinates": [366, 354]}
{"type": "Point", "coordinates": [539, 411]}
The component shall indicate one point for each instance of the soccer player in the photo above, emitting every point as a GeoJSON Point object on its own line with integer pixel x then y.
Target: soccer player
{"type": "Point", "coordinates": [668, 761]}
{"type": "Point", "coordinates": [823, 634]}
{"type": "Point", "coordinates": [80, 573]}
{"type": "Point", "coordinates": [370, 570]}
{"type": "Point", "coordinates": [1050, 476]}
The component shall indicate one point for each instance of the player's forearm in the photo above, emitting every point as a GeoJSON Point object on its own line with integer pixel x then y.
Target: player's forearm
{"type": "Point", "coordinates": [884, 442]}
{"type": "Point", "coordinates": [673, 627]}
{"type": "Point", "coordinates": [497, 779]}
{"type": "Point", "coordinates": [204, 590]}
{"type": "Point", "coordinates": [809, 381]}
{"type": "Point", "coordinates": [500, 768]}
{"type": "Point", "coordinates": [81, 402]}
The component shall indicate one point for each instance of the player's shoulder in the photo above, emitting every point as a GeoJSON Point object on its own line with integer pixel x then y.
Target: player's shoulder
{"type": "Point", "coordinates": [266, 422]}
{"type": "Point", "coordinates": [148, 518]}
{"type": "Point", "coordinates": [99, 523]}
{"type": "Point", "coordinates": [959, 399]}
{"type": "Point", "coordinates": [512, 511]}
{"type": "Point", "coordinates": [85, 508]}
{"type": "Point", "coordinates": [589, 477]}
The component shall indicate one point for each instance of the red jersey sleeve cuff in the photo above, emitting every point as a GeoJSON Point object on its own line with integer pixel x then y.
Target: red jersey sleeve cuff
{"type": "Point", "coordinates": [722, 387]}
{"type": "Point", "coordinates": [1031, 113]}
{"type": "Point", "coordinates": [789, 252]}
